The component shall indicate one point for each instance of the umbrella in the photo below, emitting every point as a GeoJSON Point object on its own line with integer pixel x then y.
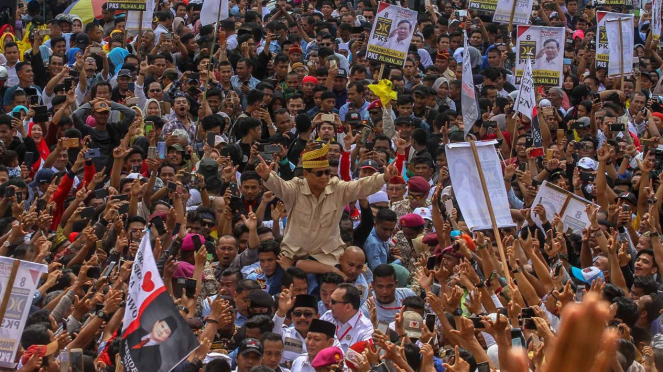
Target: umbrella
{"type": "Point", "coordinates": [88, 10]}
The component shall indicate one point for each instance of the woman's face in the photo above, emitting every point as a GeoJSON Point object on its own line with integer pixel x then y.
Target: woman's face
{"type": "Point", "coordinates": [568, 83]}
{"type": "Point", "coordinates": [37, 133]}
{"type": "Point", "coordinates": [582, 112]}
{"type": "Point", "coordinates": [138, 114]}
{"type": "Point", "coordinates": [78, 26]}
{"type": "Point", "coordinates": [443, 91]}
{"type": "Point", "coordinates": [153, 109]}
{"type": "Point", "coordinates": [277, 104]}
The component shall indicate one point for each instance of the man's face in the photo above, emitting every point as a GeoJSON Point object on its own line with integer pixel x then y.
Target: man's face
{"type": "Point", "coordinates": [123, 82]}
{"type": "Point", "coordinates": [226, 250]}
{"type": "Point", "coordinates": [281, 69]}
{"type": "Point", "coordinates": [181, 106]}
{"type": "Point", "coordinates": [352, 265]}
{"type": "Point", "coordinates": [339, 308]}
{"type": "Point", "coordinates": [326, 131]}
{"type": "Point", "coordinates": [385, 229]}
{"type": "Point", "coordinates": [5, 134]}
{"type": "Point", "coordinates": [315, 342]}
{"type": "Point", "coordinates": [247, 361]}
{"type": "Point", "coordinates": [272, 353]}
{"type": "Point", "coordinates": [454, 42]}
{"type": "Point", "coordinates": [340, 83]}
{"type": "Point", "coordinates": [396, 192]}
{"type": "Point", "coordinates": [181, 11]}
{"type": "Point", "coordinates": [403, 30]}
{"type": "Point", "coordinates": [25, 75]}
{"type": "Point", "coordinates": [637, 103]}
{"type": "Point", "coordinates": [241, 70]}
{"type": "Point", "coordinates": [299, 286]}
{"type": "Point", "coordinates": [302, 317]}
{"type": "Point", "coordinates": [60, 47]}
{"type": "Point", "coordinates": [551, 50]}
{"type": "Point", "coordinates": [408, 69]}
{"type": "Point", "coordinates": [242, 301]}
{"type": "Point", "coordinates": [167, 174]}
{"type": "Point", "coordinates": [476, 39]}
{"type": "Point", "coordinates": [267, 262]}
{"type": "Point", "coordinates": [644, 265]}
{"type": "Point", "coordinates": [96, 34]}
{"type": "Point", "coordinates": [250, 189]}
{"type": "Point", "coordinates": [327, 105]}
{"type": "Point", "coordinates": [295, 106]}
{"type": "Point", "coordinates": [55, 66]}
{"type": "Point", "coordinates": [326, 290]}
{"type": "Point", "coordinates": [160, 332]}
{"type": "Point", "coordinates": [385, 289]}
{"type": "Point", "coordinates": [228, 285]}
{"type": "Point", "coordinates": [491, 95]}
{"type": "Point", "coordinates": [355, 97]}
{"type": "Point", "coordinates": [226, 73]}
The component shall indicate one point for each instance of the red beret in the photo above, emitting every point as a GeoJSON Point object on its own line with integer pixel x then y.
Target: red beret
{"type": "Point", "coordinates": [375, 104]}
{"type": "Point", "coordinates": [418, 184]}
{"type": "Point", "coordinates": [412, 220]}
{"type": "Point", "coordinates": [397, 180]}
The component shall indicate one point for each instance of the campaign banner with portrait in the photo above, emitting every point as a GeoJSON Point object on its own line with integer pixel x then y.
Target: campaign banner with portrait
{"type": "Point", "coordinates": [391, 34]}
{"type": "Point", "coordinates": [620, 44]}
{"type": "Point", "coordinates": [602, 46]}
{"type": "Point", "coordinates": [656, 21]}
{"type": "Point", "coordinates": [18, 297]}
{"type": "Point", "coordinates": [544, 48]}
{"type": "Point", "coordinates": [521, 15]}
{"type": "Point", "coordinates": [155, 337]}
{"type": "Point", "coordinates": [466, 184]}
{"type": "Point", "coordinates": [569, 206]}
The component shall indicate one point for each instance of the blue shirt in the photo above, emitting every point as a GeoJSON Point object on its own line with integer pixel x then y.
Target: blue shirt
{"type": "Point", "coordinates": [363, 110]}
{"type": "Point", "coordinates": [272, 284]}
{"type": "Point", "coordinates": [237, 85]}
{"type": "Point", "coordinates": [376, 250]}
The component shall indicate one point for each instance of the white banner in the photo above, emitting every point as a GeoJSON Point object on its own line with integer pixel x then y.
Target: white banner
{"type": "Point", "coordinates": [210, 11]}
{"type": "Point", "coordinates": [18, 307]}
{"type": "Point", "coordinates": [621, 47]}
{"type": "Point", "coordinates": [526, 96]}
{"type": "Point", "coordinates": [544, 47]}
{"type": "Point", "coordinates": [155, 337]}
{"type": "Point", "coordinates": [467, 188]}
{"type": "Point", "coordinates": [521, 15]}
{"type": "Point", "coordinates": [467, 92]}
{"type": "Point", "coordinates": [133, 19]}
{"type": "Point", "coordinates": [391, 34]}
{"type": "Point", "coordinates": [569, 206]}
{"type": "Point", "coordinates": [656, 21]}
{"type": "Point", "coordinates": [602, 47]}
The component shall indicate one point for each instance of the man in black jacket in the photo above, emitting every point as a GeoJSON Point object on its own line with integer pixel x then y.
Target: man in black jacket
{"type": "Point", "coordinates": [144, 346]}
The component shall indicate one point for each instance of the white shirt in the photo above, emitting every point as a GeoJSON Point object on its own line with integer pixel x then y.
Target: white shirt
{"type": "Point", "coordinates": [302, 364]}
{"type": "Point", "coordinates": [12, 77]}
{"type": "Point", "coordinates": [292, 350]}
{"type": "Point", "coordinates": [358, 328]}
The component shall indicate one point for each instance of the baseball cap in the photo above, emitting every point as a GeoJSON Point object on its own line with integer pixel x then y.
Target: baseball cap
{"type": "Point", "coordinates": [82, 40]}
{"type": "Point", "coordinates": [582, 122]}
{"type": "Point", "coordinates": [250, 345]}
{"type": "Point", "coordinates": [101, 107]}
{"type": "Point", "coordinates": [342, 73]}
{"type": "Point", "coordinates": [587, 163]}
{"type": "Point", "coordinates": [124, 72]}
{"type": "Point", "coordinates": [420, 89]}
{"type": "Point", "coordinates": [353, 117]}
{"type": "Point", "coordinates": [177, 147]}
{"type": "Point", "coordinates": [412, 220]}
{"type": "Point", "coordinates": [327, 357]}
{"type": "Point", "coordinates": [39, 350]}
{"type": "Point", "coordinates": [44, 176]}
{"type": "Point", "coordinates": [629, 197]}
{"type": "Point", "coordinates": [587, 274]}
{"type": "Point", "coordinates": [424, 213]}
{"type": "Point", "coordinates": [369, 163]}
{"type": "Point", "coordinates": [413, 323]}
{"type": "Point", "coordinates": [260, 298]}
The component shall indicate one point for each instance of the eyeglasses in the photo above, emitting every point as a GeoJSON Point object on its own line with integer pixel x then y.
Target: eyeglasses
{"type": "Point", "coordinates": [334, 302]}
{"type": "Point", "coordinates": [155, 90]}
{"type": "Point", "coordinates": [416, 197]}
{"type": "Point", "coordinates": [374, 112]}
{"type": "Point", "coordinates": [306, 314]}
{"type": "Point", "coordinates": [208, 224]}
{"type": "Point", "coordinates": [325, 172]}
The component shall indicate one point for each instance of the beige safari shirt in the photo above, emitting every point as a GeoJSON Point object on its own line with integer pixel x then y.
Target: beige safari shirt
{"type": "Point", "coordinates": [312, 227]}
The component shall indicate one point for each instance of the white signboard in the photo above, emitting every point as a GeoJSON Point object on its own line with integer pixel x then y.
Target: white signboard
{"type": "Point", "coordinates": [467, 188]}
{"type": "Point", "coordinates": [569, 206]}
{"type": "Point", "coordinates": [133, 19]}
{"type": "Point", "coordinates": [656, 22]}
{"type": "Point", "coordinates": [544, 47]}
{"type": "Point", "coordinates": [620, 45]}
{"type": "Point", "coordinates": [602, 47]}
{"type": "Point", "coordinates": [521, 15]}
{"type": "Point", "coordinates": [18, 307]}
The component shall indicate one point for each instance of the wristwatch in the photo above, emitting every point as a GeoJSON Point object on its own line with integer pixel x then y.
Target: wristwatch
{"type": "Point", "coordinates": [458, 312]}
{"type": "Point", "coordinates": [102, 315]}
{"type": "Point", "coordinates": [516, 270]}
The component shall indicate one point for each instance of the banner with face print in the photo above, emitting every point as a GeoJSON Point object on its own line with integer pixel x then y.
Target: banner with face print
{"type": "Point", "coordinates": [656, 21]}
{"type": "Point", "coordinates": [602, 45]}
{"type": "Point", "coordinates": [391, 34]}
{"type": "Point", "coordinates": [544, 48]}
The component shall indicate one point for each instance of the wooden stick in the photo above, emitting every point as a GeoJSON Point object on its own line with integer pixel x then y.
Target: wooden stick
{"type": "Point", "coordinates": [621, 56]}
{"type": "Point", "coordinates": [8, 290]}
{"type": "Point", "coordinates": [493, 222]}
{"type": "Point", "coordinates": [381, 72]}
{"type": "Point", "coordinates": [513, 12]}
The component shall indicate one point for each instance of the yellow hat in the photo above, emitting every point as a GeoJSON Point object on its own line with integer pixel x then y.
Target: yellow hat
{"type": "Point", "coordinates": [316, 158]}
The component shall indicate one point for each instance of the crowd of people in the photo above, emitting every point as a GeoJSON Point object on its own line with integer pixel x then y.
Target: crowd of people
{"type": "Point", "coordinates": [303, 220]}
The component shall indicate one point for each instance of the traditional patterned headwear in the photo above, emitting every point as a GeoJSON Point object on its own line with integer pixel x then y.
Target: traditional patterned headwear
{"type": "Point", "coordinates": [316, 158]}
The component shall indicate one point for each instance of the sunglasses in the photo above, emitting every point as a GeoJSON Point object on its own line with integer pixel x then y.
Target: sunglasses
{"type": "Point", "coordinates": [325, 172]}
{"type": "Point", "coordinates": [334, 302]}
{"type": "Point", "coordinates": [155, 90]}
{"type": "Point", "coordinates": [374, 112]}
{"type": "Point", "coordinates": [416, 197]}
{"type": "Point", "coordinates": [306, 314]}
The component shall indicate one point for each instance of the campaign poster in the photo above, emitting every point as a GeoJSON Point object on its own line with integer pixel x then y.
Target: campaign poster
{"type": "Point", "coordinates": [544, 48]}
{"type": "Point", "coordinates": [467, 188]}
{"type": "Point", "coordinates": [656, 21]}
{"type": "Point", "coordinates": [602, 46]}
{"type": "Point", "coordinates": [136, 5]}
{"type": "Point", "coordinates": [620, 44]}
{"type": "Point", "coordinates": [467, 98]}
{"type": "Point", "coordinates": [18, 307]}
{"type": "Point", "coordinates": [521, 15]}
{"type": "Point", "coordinates": [155, 337]}
{"type": "Point", "coordinates": [569, 206]}
{"type": "Point", "coordinates": [483, 6]}
{"type": "Point", "coordinates": [391, 34]}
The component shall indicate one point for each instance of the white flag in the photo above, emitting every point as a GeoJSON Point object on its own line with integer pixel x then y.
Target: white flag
{"type": "Point", "coordinates": [467, 99]}
{"type": "Point", "coordinates": [526, 97]}
{"type": "Point", "coordinates": [210, 11]}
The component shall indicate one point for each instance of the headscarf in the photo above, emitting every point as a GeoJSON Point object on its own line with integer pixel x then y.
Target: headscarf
{"type": "Point", "coordinates": [42, 148]}
{"type": "Point", "coordinates": [71, 56]}
{"type": "Point", "coordinates": [116, 56]}
{"type": "Point", "coordinates": [4, 36]}
{"type": "Point", "coordinates": [176, 24]}
{"type": "Point", "coordinates": [438, 83]}
{"type": "Point", "coordinates": [147, 104]}
{"type": "Point", "coordinates": [141, 129]}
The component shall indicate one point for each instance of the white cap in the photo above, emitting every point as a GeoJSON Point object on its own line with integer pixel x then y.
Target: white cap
{"type": "Point", "coordinates": [424, 212]}
{"type": "Point", "coordinates": [378, 197]}
{"type": "Point", "coordinates": [219, 139]}
{"type": "Point", "coordinates": [587, 163]}
{"type": "Point", "coordinates": [545, 103]}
